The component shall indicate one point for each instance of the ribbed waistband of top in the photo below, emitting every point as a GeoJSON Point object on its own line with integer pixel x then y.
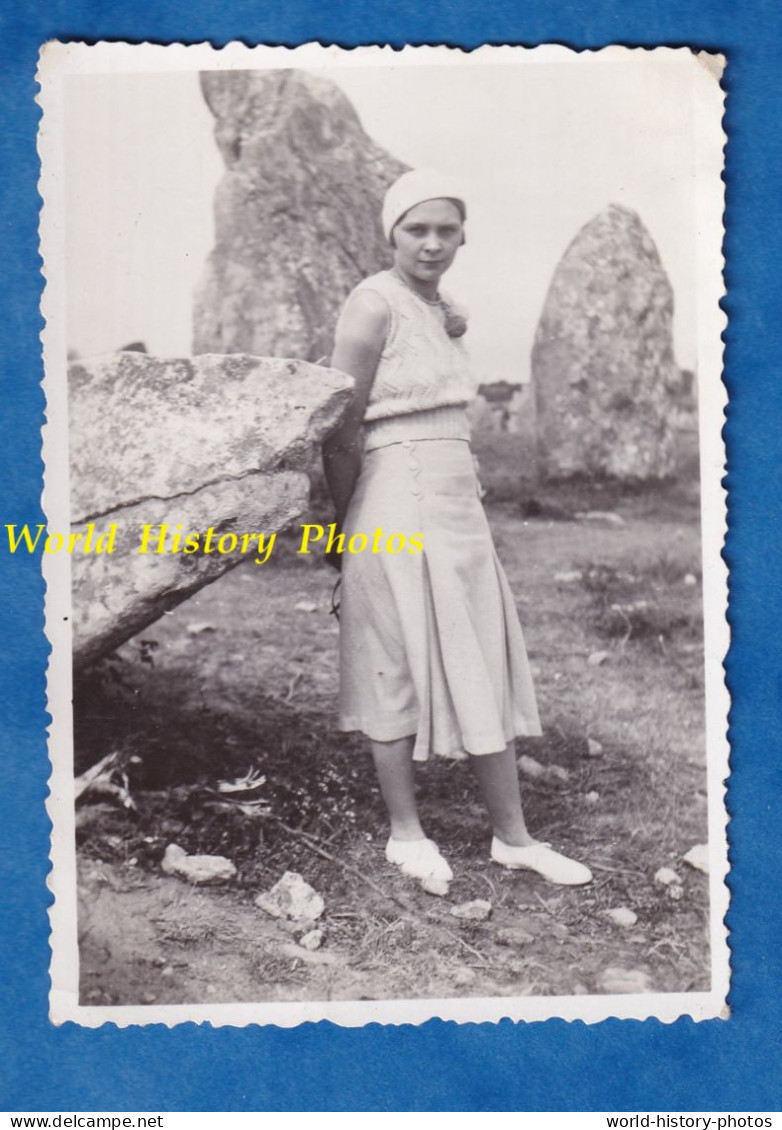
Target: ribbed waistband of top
{"type": "Point", "coordinates": [449, 422]}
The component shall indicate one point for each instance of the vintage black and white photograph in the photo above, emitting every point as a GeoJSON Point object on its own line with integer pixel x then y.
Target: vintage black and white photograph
{"type": "Point", "coordinates": [383, 486]}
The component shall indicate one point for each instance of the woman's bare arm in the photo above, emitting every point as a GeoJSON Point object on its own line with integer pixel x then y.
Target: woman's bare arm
{"type": "Point", "coordinates": [360, 337]}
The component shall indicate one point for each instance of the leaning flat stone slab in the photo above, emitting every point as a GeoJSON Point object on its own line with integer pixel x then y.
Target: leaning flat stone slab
{"type": "Point", "coordinates": [116, 596]}
{"type": "Point", "coordinates": [187, 443]}
{"type": "Point", "coordinates": [145, 427]}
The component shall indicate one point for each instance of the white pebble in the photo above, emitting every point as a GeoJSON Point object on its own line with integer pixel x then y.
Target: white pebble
{"type": "Point", "coordinates": [698, 857]}
{"type": "Point", "coordinates": [464, 975]}
{"type": "Point", "coordinates": [530, 767]}
{"type": "Point", "coordinates": [312, 940]}
{"type": "Point", "coordinates": [557, 773]}
{"type": "Point", "coordinates": [476, 911]}
{"type": "Point", "coordinates": [614, 979]}
{"type": "Point", "coordinates": [292, 898]}
{"type": "Point", "coordinates": [198, 869]}
{"type": "Point", "coordinates": [621, 916]}
{"type": "Point", "coordinates": [198, 626]}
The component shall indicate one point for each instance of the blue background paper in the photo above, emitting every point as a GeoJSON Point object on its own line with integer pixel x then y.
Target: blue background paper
{"type": "Point", "coordinates": [547, 1066]}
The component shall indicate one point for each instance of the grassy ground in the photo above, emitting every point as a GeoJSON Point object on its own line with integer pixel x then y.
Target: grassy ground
{"type": "Point", "coordinates": [184, 709]}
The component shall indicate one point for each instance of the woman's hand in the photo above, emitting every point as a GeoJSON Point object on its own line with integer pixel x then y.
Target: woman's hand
{"type": "Point", "coordinates": [334, 559]}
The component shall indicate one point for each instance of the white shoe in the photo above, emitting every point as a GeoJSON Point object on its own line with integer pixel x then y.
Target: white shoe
{"type": "Point", "coordinates": [539, 857]}
{"type": "Point", "coordinates": [420, 859]}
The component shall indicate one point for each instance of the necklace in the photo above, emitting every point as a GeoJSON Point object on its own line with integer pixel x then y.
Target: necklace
{"type": "Point", "coordinates": [436, 301]}
{"type": "Point", "coordinates": [455, 323]}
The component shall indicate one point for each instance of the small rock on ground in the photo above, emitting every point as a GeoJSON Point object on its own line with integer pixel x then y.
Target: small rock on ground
{"type": "Point", "coordinates": [292, 950]}
{"type": "Point", "coordinates": [312, 940]}
{"type": "Point", "coordinates": [293, 898]}
{"type": "Point", "coordinates": [591, 798]}
{"type": "Point", "coordinates": [666, 876]}
{"type": "Point", "coordinates": [698, 857]}
{"type": "Point", "coordinates": [513, 936]}
{"type": "Point", "coordinates": [198, 869]}
{"type": "Point", "coordinates": [530, 767]}
{"type": "Point", "coordinates": [621, 916]}
{"type": "Point", "coordinates": [463, 975]}
{"type": "Point", "coordinates": [615, 979]}
{"type": "Point", "coordinates": [597, 658]}
{"type": "Point", "coordinates": [478, 910]}
{"type": "Point", "coordinates": [568, 577]}
{"type": "Point", "coordinates": [198, 626]}
{"type": "Point", "coordinates": [594, 748]}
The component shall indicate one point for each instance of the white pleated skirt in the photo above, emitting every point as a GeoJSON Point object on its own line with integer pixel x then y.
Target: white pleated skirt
{"type": "Point", "coordinates": [430, 642]}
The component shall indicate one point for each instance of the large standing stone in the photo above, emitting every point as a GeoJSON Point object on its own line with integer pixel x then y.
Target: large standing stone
{"type": "Point", "coordinates": [189, 443]}
{"type": "Point", "coordinates": [602, 363]}
{"type": "Point", "coordinates": [297, 214]}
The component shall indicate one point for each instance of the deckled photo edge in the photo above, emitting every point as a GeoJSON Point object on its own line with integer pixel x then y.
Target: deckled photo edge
{"type": "Point", "coordinates": [58, 61]}
{"type": "Point", "coordinates": [711, 141]}
{"type": "Point", "coordinates": [60, 803]}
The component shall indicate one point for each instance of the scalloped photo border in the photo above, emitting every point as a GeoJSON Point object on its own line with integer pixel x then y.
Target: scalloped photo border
{"type": "Point", "coordinates": [59, 60]}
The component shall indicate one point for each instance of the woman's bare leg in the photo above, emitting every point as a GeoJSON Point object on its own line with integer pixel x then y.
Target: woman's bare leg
{"type": "Point", "coordinates": [499, 781]}
{"type": "Point", "coordinates": [394, 768]}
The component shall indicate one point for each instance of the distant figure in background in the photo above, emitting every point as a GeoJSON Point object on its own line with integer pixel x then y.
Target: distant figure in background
{"type": "Point", "coordinates": [432, 659]}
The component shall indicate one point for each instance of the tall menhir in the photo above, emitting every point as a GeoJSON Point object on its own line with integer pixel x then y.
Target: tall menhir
{"type": "Point", "coordinates": [296, 214]}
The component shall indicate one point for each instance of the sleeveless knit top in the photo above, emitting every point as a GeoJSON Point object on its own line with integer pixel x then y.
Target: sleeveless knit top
{"type": "Point", "coordinates": [423, 379]}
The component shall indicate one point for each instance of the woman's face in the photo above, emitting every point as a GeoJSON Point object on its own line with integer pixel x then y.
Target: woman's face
{"type": "Point", "coordinates": [426, 240]}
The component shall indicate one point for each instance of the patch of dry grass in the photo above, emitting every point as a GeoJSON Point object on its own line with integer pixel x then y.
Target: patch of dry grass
{"type": "Point", "coordinates": [650, 601]}
{"type": "Point", "coordinates": [190, 920]}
